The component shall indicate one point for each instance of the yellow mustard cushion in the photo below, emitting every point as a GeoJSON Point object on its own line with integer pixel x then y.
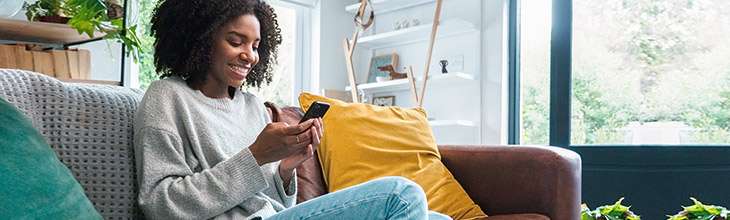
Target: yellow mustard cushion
{"type": "Point", "coordinates": [362, 142]}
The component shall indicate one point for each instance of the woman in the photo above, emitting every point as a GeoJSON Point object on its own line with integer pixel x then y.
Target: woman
{"type": "Point", "coordinates": [206, 149]}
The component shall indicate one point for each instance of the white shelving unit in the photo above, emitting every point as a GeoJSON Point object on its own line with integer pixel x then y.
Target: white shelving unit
{"type": "Point", "coordinates": [450, 126]}
{"type": "Point", "coordinates": [385, 6]}
{"type": "Point", "coordinates": [450, 79]}
{"type": "Point", "coordinates": [415, 34]}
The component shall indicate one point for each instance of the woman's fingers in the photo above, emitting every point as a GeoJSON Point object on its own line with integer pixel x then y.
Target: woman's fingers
{"type": "Point", "coordinates": [316, 137]}
{"type": "Point", "coordinates": [321, 126]}
{"type": "Point", "coordinates": [297, 129]}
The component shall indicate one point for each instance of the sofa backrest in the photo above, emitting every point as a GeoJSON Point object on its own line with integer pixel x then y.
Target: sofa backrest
{"type": "Point", "coordinates": [310, 181]}
{"type": "Point", "coordinates": [90, 128]}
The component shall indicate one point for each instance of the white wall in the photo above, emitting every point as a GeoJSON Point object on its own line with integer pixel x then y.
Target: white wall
{"type": "Point", "coordinates": [335, 25]}
{"type": "Point", "coordinates": [484, 55]}
{"type": "Point", "coordinates": [495, 26]}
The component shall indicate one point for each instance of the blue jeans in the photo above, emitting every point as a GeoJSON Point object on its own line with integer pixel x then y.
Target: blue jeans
{"type": "Point", "coordinates": [382, 198]}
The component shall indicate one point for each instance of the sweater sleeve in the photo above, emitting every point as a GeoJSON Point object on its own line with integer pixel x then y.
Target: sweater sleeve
{"type": "Point", "coordinates": [276, 190]}
{"type": "Point", "coordinates": [169, 189]}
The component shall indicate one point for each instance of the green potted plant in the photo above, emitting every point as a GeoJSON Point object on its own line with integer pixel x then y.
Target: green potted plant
{"type": "Point", "coordinates": [608, 212]}
{"type": "Point", "coordinates": [88, 16]}
{"type": "Point", "coordinates": [700, 211]}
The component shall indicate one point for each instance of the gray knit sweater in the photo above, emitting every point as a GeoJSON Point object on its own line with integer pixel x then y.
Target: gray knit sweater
{"type": "Point", "coordinates": [193, 160]}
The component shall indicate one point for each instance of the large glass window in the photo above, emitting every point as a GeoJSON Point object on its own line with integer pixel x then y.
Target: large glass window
{"type": "Point", "coordinates": [534, 43]}
{"type": "Point", "coordinates": [651, 72]}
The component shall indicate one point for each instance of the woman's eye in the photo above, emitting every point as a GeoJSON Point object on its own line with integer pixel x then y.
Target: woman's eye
{"type": "Point", "coordinates": [255, 48]}
{"type": "Point", "coordinates": [235, 44]}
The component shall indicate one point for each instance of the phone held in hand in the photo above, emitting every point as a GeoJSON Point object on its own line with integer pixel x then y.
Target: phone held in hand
{"type": "Point", "coordinates": [316, 110]}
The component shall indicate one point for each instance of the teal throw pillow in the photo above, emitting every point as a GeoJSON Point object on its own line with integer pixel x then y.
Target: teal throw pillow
{"type": "Point", "coordinates": [34, 184]}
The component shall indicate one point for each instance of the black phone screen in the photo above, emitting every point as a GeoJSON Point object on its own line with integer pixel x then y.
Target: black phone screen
{"type": "Point", "coordinates": [316, 110]}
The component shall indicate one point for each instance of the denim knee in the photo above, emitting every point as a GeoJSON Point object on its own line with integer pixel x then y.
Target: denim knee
{"type": "Point", "coordinates": [405, 189]}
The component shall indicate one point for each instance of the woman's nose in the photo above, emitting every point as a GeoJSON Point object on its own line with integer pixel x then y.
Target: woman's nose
{"type": "Point", "coordinates": [246, 55]}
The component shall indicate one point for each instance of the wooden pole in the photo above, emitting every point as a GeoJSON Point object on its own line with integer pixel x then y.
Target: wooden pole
{"type": "Point", "coordinates": [434, 29]}
{"type": "Point", "coordinates": [412, 83]}
{"type": "Point", "coordinates": [349, 49]}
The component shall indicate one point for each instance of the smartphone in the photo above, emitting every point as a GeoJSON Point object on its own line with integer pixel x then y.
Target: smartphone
{"type": "Point", "coordinates": [316, 110]}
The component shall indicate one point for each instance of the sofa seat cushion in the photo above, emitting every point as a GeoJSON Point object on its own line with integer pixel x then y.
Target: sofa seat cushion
{"type": "Point", "coordinates": [36, 185]}
{"type": "Point", "coordinates": [519, 217]}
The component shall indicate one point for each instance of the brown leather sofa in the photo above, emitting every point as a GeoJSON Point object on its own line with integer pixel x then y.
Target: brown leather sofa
{"type": "Point", "coordinates": [507, 182]}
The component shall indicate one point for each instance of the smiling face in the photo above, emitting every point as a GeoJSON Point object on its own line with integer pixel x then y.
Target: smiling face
{"type": "Point", "coordinates": [234, 54]}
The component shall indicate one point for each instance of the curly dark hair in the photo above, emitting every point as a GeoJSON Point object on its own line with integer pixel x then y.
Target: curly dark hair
{"type": "Point", "coordinates": [184, 29]}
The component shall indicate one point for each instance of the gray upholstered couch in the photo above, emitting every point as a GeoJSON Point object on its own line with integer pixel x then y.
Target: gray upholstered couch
{"type": "Point", "coordinates": [90, 128]}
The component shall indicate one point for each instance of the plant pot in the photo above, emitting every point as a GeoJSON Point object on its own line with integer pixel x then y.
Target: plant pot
{"type": "Point", "coordinates": [54, 19]}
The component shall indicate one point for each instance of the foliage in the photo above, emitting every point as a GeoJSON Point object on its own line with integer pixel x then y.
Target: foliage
{"type": "Point", "coordinates": [609, 212]}
{"type": "Point", "coordinates": [700, 211]}
{"type": "Point", "coordinates": [147, 72]}
{"type": "Point", "coordinates": [42, 8]}
{"type": "Point", "coordinates": [87, 17]}
{"type": "Point", "coordinates": [535, 112]}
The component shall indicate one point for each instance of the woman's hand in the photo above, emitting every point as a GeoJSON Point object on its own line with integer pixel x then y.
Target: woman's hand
{"type": "Point", "coordinates": [287, 165]}
{"type": "Point", "coordinates": [280, 140]}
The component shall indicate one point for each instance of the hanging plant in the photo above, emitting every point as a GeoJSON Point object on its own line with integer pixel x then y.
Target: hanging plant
{"type": "Point", "coordinates": [87, 17]}
{"type": "Point", "coordinates": [700, 211]}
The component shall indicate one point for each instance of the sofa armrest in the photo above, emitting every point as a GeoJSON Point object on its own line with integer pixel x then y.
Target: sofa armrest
{"type": "Point", "coordinates": [518, 179]}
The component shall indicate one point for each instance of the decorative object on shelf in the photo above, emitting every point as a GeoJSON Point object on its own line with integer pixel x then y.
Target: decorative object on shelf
{"type": "Point", "coordinates": [608, 212]}
{"type": "Point", "coordinates": [381, 61]}
{"type": "Point", "coordinates": [349, 45]}
{"type": "Point", "coordinates": [700, 211]}
{"type": "Point", "coordinates": [443, 64]}
{"type": "Point", "coordinates": [392, 74]}
{"type": "Point", "coordinates": [88, 16]}
{"type": "Point", "coordinates": [8, 8]}
{"type": "Point", "coordinates": [384, 100]}
{"type": "Point", "coordinates": [405, 22]}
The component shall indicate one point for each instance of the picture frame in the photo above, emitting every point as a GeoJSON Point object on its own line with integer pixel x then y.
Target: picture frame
{"type": "Point", "coordinates": [379, 61]}
{"type": "Point", "coordinates": [384, 100]}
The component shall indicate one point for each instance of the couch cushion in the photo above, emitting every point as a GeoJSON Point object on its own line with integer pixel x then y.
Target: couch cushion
{"type": "Point", "coordinates": [90, 128]}
{"type": "Point", "coordinates": [35, 184]}
{"type": "Point", "coordinates": [362, 142]}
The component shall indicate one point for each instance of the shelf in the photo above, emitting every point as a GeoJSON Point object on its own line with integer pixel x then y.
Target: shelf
{"type": "Point", "coordinates": [385, 6]}
{"type": "Point", "coordinates": [415, 34]}
{"type": "Point", "coordinates": [453, 79]}
{"type": "Point", "coordinates": [41, 32]}
{"type": "Point", "coordinates": [455, 131]}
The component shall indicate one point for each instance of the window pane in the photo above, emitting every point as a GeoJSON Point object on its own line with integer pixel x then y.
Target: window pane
{"type": "Point", "coordinates": [281, 88]}
{"type": "Point", "coordinates": [146, 58]}
{"type": "Point", "coordinates": [535, 24]}
{"type": "Point", "coordinates": [651, 72]}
